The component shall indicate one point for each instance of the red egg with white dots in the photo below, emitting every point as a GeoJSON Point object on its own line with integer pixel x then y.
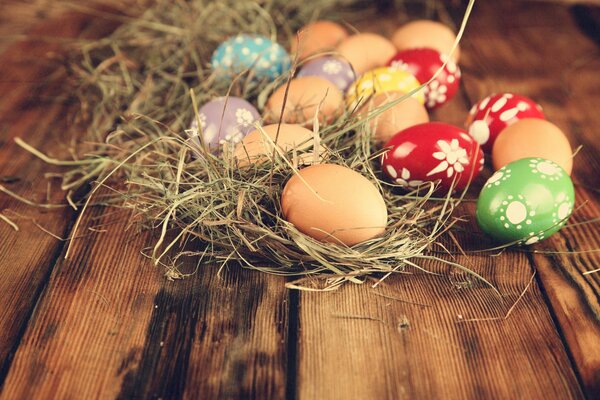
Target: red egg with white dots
{"type": "Point", "coordinates": [423, 63]}
{"type": "Point", "coordinates": [494, 113]}
{"type": "Point", "coordinates": [432, 152]}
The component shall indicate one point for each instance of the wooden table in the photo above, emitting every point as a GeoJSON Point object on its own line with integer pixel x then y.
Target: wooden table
{"type": "Point", "coordinates": [106, 324]}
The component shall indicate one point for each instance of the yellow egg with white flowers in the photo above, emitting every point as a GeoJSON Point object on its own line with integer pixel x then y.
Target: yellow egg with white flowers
{"type": "Point", "coordinates": [381, 80]}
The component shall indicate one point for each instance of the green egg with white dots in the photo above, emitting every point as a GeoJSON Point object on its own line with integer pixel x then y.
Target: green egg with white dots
{"type": "Point", "coordinates": [525, 201]}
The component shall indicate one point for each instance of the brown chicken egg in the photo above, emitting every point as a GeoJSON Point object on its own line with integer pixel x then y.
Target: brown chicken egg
{"type": "Point", "coordinates": [333, 203]}
{"type": "Point", "coordinates": [366, 51]}
{"type": "Point", "coordinates": [304, 96]}
{"type": "Point", "coordinates": [317, 37]}
{"type": "Point", "coordinates": [407, 113]}
{"type": "Point", "coordinates": [426, 33]}
{"type": "Point", "coordinates": [532, 137]}
{"type": "Point", "coordinates": [256, 148]}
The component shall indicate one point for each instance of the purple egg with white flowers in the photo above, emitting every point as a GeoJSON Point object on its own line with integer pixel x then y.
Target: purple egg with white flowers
{"type": "Point", "coordinates": [335, 70]}
{"type": "Point", "coordinates": [223, 120]}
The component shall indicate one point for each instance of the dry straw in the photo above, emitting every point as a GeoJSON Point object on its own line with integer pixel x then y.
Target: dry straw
{"type": "Point", "coordinates": [137, 90]}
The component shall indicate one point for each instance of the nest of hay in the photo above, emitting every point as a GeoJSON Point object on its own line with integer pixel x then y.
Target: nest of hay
{"type": "Point", "coordinates": [138, 90]}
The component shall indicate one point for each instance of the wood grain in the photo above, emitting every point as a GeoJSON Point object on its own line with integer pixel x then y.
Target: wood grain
{"type": "Point", "coordinates": [30, 109]}
{"type": "Point", "coordinates": [564, 77]}
{"type": "Point", "coordinates": [357, 344]}
{"type": "Point", "coordinates": [110, 325]}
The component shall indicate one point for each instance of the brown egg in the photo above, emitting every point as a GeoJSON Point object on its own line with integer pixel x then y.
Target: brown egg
{"type": "Point", "coordinates": [255, 148]}
{"type": "Point", "coordinates": [407, 113]}
{"type": "Point", "coordinates": [532, 137]}
{"type": "Point", "coordinates": [425, 33]}
{"type": "Point", "coordinates": [332, 203]}
{"type": "Point", "coordinates": [317, 37]}
{"type": "Point", "coordinates": [305, 94]}
{"type": "Point", "coordinates": [366, 51]}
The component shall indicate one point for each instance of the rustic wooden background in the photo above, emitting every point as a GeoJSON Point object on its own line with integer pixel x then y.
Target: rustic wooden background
{"type": "Point", "coordinates": [106, 324]}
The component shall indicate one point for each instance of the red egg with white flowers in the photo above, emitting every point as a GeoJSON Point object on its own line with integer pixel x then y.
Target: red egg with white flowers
{"type": "Point", "coordinates": [491, 115]}
{"type": "Point", "coordinates": [432, 152]}
{"type": "Point", "coordinates": [423, 63]}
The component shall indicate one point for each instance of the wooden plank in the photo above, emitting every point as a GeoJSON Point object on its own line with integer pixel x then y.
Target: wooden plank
{"type": "Point", "coordinates": [356, 343]}
{"type": "Point", "coordinates": [109, 325]}
{"type": "Point", "coordinates": [553, 61]}
{"type": "Point", "coordinates": [443, 338]}
{"type": "Point", "coordinates": [29, 109]}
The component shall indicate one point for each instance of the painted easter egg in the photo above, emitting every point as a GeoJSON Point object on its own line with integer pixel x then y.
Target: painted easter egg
{"type": "Point", "coordinates": [224, 119]}
{"type": "Point", "coordinates": [432, 152]}
{"type": "Point", "coordinates": [365, 51]}
{"type": "Point", "coordinates": [423, 63]}
{"type": "Point", "coordinates": [333, 203]}
{"type": "Point", "coordinates": [532, 137]}
{"type": "Point", "coordinates": [385, 124]}
{"type": "Point", "coordinates": [380, 80]}
{"type": "Point", "coordinates": [258, 146]}
{"type": "Point", "coordinates": [525, 201]}
{"type": "Point", "coordinates": [265, 59]}
{"type": "Point", "coordinates": [425, 33]}
{"type": "Point", "coordinates": [301, 99]}
{"type": "Point", "coordinates": [335, 70]}
{"type": "Point", "coordinates": [491, 115]}
{"type": "Point", "coordinates": [317, 37]}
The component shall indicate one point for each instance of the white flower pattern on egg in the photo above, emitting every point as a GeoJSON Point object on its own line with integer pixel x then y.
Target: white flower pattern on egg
{"type": "Point", "coordinates": [533, 238]}
{"type": "Point", "coordinates": [484, 103]}
{"type": "Point", "coordinates": [404, 179]}
{"type": "Point", "coordinates": [234, 136]}
{"type": "Point", "coordinates": [522, 106]}
{"type": "Point", "coordinates": [562, 209]}
{"type": "Point", "coordinates": [452, 157]}
{"type": "Point", "coordinates": [516, 212]}
{"type": "Point", "coordinates": [546, 169]}
{"type": "Point", "coordinates": [509, 114]}
{"type": "Point", "coordinates": [501, 102]}
{"type": "Point", "coordinates": [499, 176]}
{"type": "Point", "coordinates": [332, 67]}
{"type": "Point", "coordinates": [480, 131]}
{"type": "Point", "coordinates": [400, 65]}
{"type": "Point", "coordinates": [202, 119]}
{"type": "Point", "coordinates": [435, 93]}
{"type": "Point", "coordinates": [244, 117]}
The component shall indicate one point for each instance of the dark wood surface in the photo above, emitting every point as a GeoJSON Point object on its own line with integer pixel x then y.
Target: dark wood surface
{"type": "Point", "coordinates": [107, 324]}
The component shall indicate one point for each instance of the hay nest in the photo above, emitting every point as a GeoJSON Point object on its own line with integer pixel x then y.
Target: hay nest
{"type": "Point", "coordinates": [138, 89]}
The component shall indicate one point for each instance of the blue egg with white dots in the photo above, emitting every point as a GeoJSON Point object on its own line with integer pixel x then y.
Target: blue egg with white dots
{"type": "Point", "coordinates": [265, 59]}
